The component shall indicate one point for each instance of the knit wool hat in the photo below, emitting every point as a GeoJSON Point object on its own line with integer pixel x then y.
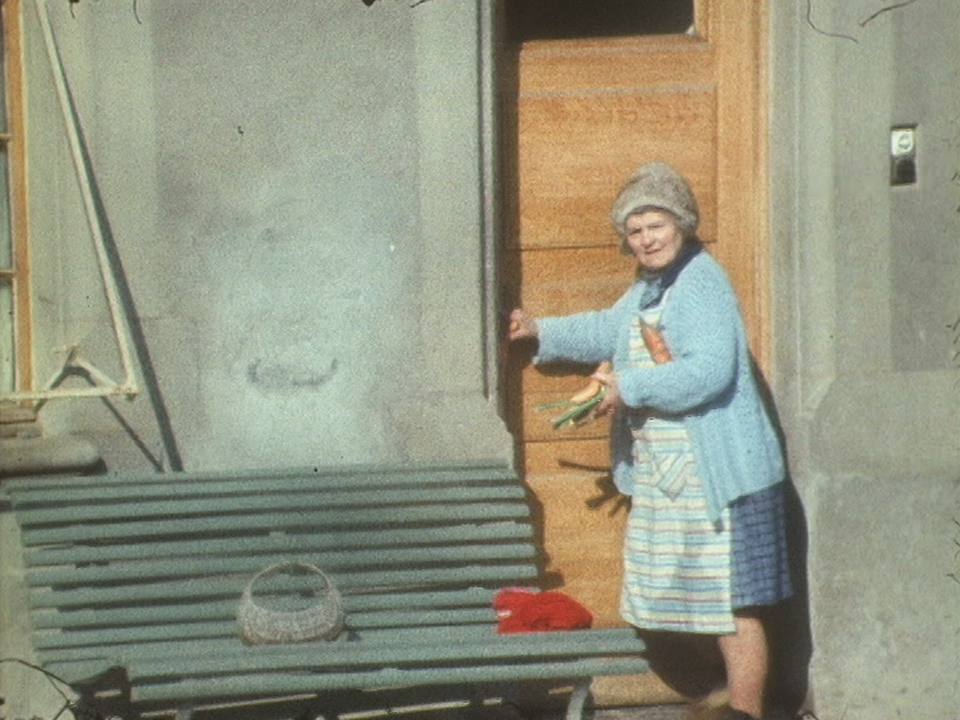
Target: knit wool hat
{"type": "Point", "coordinates": [656, 185]}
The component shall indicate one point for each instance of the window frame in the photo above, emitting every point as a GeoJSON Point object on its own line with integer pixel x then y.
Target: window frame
{"type": "Point", "coordinates": [14, 139]}
{"type": "Point", "coordinates": [99, 384]}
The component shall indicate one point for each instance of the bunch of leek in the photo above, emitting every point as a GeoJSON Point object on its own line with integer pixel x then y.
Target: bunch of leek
{"type": "Point", "coordinates": [577, 414]}
{"type": "Point", "coordinates": [580, 407]}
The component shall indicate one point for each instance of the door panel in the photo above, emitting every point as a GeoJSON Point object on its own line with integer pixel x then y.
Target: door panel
{"type": "Point", "coordinates": [570, 176]}
{"type": "Point", "coordinates": [580, 116]}
{"type": "Point", "coordinates": [586, 113]}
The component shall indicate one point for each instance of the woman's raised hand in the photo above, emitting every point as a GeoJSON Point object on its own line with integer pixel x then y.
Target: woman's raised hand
{"type": "Point", "coordinates": [521, 326]}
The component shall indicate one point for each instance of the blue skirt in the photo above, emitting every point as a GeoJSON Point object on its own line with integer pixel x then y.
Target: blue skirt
{"type": "Point", "coordinates": [760, 567]}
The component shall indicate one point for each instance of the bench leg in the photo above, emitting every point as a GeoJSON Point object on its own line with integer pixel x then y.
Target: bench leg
{"type": "Point", "coordinates": [578, 700]}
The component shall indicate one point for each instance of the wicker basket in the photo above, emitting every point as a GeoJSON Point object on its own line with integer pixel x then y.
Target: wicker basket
{"type": "Point", "coordinates": [322, 621]}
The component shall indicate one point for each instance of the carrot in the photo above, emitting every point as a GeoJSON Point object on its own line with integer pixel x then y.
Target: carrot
{"type": "Point", "coordinates": [588, 392]}
{"type": "Point", "coordinates": [656, 345]}
{"type": "Point", "coordinates": [594, 387]}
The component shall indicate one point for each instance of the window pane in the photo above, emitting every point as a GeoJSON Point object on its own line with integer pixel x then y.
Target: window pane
{"type": "Point", "coordinates": [6, 242]}
{"type": "Point", "coordinates": [556, 19]}
{"type": "Point", "coordinates": [6, 338]}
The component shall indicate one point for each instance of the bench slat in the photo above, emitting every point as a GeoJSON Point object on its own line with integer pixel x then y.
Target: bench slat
{"type": "Point", "coordinates": [304, 658]}
{"type": "Point", "coordinates": [150, 658]}
{"type": "Point", "coordinates": [232, 587]}
{"type": "Point", "coordinates": [104, 656]}
{"type": "Point", "coordinates": [175, 612]}
{"type": "Point", "coordinates": [302, 542]}
{"type": "Point", "coordinates": [82, 662]}
{"type": "Point", "coordinates": [247, 686]}
{"type": "Point", "coordinates": [239, 524]}
{"type": "Point", "coordinates": [52, 487]}
{"type": "Point", "coordinates": [330, 561]}
{"type": "Point", "coordinates": [104, 637]}
{"type": "Point", "coordinates": [299, 502]}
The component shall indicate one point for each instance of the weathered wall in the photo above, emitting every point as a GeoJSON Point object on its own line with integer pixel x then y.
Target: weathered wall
{"type": "Point", "coordinates": [296, 196]}
{"type": "Point", "coordinates": [867, 299]}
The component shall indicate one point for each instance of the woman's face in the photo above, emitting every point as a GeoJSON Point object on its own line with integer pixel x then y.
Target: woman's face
{"type": "Point", "coordinates": [654, 238]}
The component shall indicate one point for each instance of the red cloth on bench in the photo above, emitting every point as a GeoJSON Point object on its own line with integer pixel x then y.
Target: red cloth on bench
{"type": "Point", "coordinates": [526, 610]}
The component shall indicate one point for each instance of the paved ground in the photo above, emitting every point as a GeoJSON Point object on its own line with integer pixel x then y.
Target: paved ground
{"type": "Point", "coordinates": [653, 712]}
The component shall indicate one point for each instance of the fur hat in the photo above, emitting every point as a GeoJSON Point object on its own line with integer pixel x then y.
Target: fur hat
{"type": "Point", "coordinates": [656, 185]}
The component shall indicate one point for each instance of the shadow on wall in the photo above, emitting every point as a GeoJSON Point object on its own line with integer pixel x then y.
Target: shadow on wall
{"type": "Point", "coordinates": [791, 636]}
{"type": "Point", "coordinates": [135, 328]}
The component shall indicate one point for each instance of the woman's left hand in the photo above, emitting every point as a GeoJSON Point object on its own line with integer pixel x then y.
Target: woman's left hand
{"type": "Point", "coordinates": [611, 401]}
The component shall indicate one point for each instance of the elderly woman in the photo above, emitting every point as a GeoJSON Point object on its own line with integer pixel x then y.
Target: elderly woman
{"type": "Point", "coordinates": [691, 442]}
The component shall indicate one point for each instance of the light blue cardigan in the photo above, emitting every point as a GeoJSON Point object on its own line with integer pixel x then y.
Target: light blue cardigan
{"type": "Point", "coordinates": [709, 381]}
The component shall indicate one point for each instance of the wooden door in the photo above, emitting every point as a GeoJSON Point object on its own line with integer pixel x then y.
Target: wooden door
{"type": "Point", "coordinates": [580, 115]}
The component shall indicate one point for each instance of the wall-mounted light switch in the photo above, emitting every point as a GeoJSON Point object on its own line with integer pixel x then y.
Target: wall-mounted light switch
{"type": "Point", "coordinates": [903, 155]}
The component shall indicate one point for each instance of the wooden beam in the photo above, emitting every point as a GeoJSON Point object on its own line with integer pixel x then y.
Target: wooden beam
{"type": "Point", "coordinates": [16, 149]}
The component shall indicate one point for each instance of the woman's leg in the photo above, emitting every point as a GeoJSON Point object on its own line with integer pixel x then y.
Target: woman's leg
{"type": "Point", "coordinates": [745, 655]}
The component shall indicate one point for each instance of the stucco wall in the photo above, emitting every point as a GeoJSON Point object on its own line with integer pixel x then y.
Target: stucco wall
{"type": "Point", "coordinates": [295, 192]}
{"type": "Point", "coordinates": [867, 297]}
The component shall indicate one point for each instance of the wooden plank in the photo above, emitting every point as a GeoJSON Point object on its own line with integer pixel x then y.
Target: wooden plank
{"type": "Point", "coordinates": [105, 638]}
{"type": "Point", "coordinates": [197, 588]}
{"type": "Point", "coordinates": [581, 291]}
{"type": "Point", "coordinates": [571, 455]}
{"type": "Point", "coordinates": [303, 542]}
{"type": "Point", "coordinates": [276, 659]}
{"type": "Point", "coordinates": [268, 522]}
{"type": "Point", "coordinates": [87, 662]}
{"type": "Point", "coordinates": [19, 215]}
{"type": "Point", "coordinates": [232, 645]}
{"type": "Point", "coordinates": [156, 659]}
{"type": "Point", "coordinates": [245, 686]}
{"type": "Point", "coordinates": [159, 613]}
{"type": "Point", "coordinates": [338, 560]}
{"type": "Point", "coordinates": [268, 500]}
{"type": "Point", "coordinates": [583, 539]}
{"type": "Point", "coordinates": [612, 64]}
{"type": "Point", "coordinates": [576, 151]}
{"type": "Point", "coordinates": [59, 490]}
{"type": "Point", "coordinates": [383, 637]}
{"type": "Point", "coordinates": [603, 261]}
{"type": "Point", "coordinates": [742, 176]}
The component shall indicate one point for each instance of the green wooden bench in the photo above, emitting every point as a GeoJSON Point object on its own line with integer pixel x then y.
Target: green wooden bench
{"type": "Point", "coordinates": [143, 575]}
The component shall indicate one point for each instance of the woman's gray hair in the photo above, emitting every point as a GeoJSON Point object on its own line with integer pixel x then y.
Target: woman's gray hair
{"type": "Point", "coordinates": [656, 186]}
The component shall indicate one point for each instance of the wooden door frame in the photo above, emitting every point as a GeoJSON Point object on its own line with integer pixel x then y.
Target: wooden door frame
{"type": "Point", "coordinates": [742, 160]}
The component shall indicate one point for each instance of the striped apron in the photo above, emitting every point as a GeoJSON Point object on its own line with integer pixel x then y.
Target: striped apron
{"type": "Point", "coordinates": [677, 569]}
